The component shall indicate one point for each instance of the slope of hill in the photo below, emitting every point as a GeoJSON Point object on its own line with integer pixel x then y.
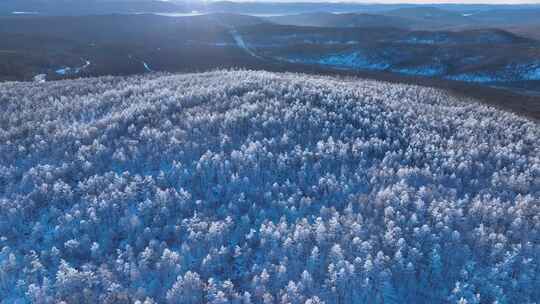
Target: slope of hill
{"type": "Point", "coordinates": [468, 17]}
{"type": "Point", "coordinates": [420, 18]}
{"type": "Point", "coordinates": [118, 44]}
{"type": "Point", "coordinates": [487, 56]}
{"type": "Point", "coordinates": [425, 12]}
{"type": "Point", "coordinates": [254, 187]}
{"type": "Point", "coordinates": [507, 17]}
{"type": "Point", "coordinates": [84, 7]}
{"type": "Point", "coordinates": [51, 47]}
{"type": "Point", "coordinates": [324, 19]}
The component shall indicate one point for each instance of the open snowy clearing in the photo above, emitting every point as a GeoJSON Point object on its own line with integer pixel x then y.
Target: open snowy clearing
{"type": "Point", "coordinates": [256, 187]}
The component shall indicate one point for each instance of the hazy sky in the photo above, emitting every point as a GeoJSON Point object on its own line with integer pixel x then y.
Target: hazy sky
{"type": "Point", "coordinates": [454, 1]}
{"type": "Point", "coordinates": [394, 1]}
{"type": "Point", "coordinates": [421, 1]}
{"type": "Point", "coordinates": [444, 1]}
{"type": "Point", "coordinates": [406, 1]}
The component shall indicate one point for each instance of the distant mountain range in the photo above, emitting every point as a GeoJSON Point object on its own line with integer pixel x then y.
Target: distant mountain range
{"type": "Point", "coordinates": [324, 19]}
{"type": "Point", "coordinates": [520, 19]}
{"type": "Point", "coordinates": [85, 7]}
{"type": "Point", "coordinates": [473, 44]}
{"type": "Point", "coordinates": [82, 7]}
{"type": "Point", "coordinates": [428, 18]}
{"type": "Point", "coordinates": [120, 44]}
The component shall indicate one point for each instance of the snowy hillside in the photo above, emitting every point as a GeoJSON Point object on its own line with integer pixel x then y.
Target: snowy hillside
{"type": "Point", "coordinates": [254, 187]}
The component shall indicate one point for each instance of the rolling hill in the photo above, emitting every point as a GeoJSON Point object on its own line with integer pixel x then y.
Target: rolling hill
{"type": "Point", "coordinates": [258, 187]}
{"type": "Point", "coordinates": [324, 19]}
{"type": "Point", "coordinates": [85, 7]}
{"type": "Point", "coordinates": [57, 47]}
{"type": "Point", "coordinates": [420, 18]}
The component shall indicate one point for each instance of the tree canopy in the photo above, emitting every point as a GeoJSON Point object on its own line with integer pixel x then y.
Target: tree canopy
{"type": "Point", "coordinates": [256, 187]}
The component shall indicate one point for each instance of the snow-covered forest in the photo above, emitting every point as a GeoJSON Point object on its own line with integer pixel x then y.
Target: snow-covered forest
{"type": "Point", "coordinates": [255, 187]}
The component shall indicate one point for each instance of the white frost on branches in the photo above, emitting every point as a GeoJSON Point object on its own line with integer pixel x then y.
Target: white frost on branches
{"type": "Point", "coordinates": [254, 187]}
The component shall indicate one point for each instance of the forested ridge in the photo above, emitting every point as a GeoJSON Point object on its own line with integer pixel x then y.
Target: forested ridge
{"type": "Point", "coordinates": [258, 187]}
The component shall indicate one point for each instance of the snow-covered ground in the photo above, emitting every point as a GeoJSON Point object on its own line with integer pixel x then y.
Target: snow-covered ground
{"type": "Point", "coordinates": [73, 70]}
{"type": "Point", "coordinates": [475, 77]}
{"type": "Point", "coordinates": [417, 40]}
{"type": "Point", "coordinates": [510, 72]}
{"type": "Point", "coordinates": [241, 43]}
{"type": "Point", "coordinates": [349, 60]}
{"type": "Point", "coordinates": [533, 74]}
{"type": "Point", "coordinates": [421, 71]}
{"type": "Point", "coordinates": [353, 60]}
{"type": "Point", "coordinates": [358, 60]}
{"type": "Point", "coordinates": [530, 71]}
{"type": "Point", "coordinates": [257, 187]}
{"type": "Point", "coordinates": [24, 13]}
{"type": "Point", "coordinates": [147, 67]}
{"type": "Point", "coordinates": [40, 78]}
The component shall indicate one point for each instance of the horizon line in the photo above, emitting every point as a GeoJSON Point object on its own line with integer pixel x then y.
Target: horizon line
{"type": "Point", "coordinates": [396, 2]}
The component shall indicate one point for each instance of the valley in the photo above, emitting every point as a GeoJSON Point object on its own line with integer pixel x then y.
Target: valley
{"type": "Point", "coordinates": [467, 48]}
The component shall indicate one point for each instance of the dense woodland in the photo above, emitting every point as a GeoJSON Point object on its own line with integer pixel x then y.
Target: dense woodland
{"type": "Point", "coordinates": [255, 187]}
